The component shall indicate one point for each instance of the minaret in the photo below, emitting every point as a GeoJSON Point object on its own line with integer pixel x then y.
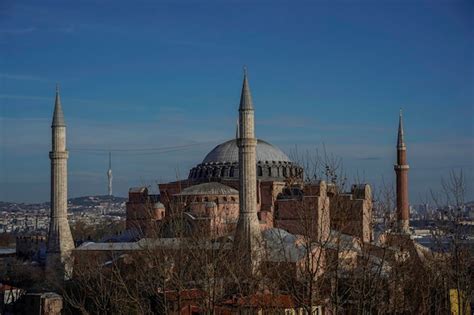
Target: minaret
{"type": "Point", "coordinates": [401, 169]}
{"type": "Point", "coordinates": [60, 242]}
{"type": "Point", "coordinates": [248, 237]}
{"type": "Point", "coordinates": [109, 174]}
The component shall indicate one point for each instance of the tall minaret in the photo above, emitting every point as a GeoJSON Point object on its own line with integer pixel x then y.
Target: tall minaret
{"type": "Point", "coordinates": [109, 174]}
{"type": "Point", "coordinates": [248, 237]}
{"type": "Point", "coordinates": [60, 242]}
{"type": "Point", "coordinates": [401, 169]}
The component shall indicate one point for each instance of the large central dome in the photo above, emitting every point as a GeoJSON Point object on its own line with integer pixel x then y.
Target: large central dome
{"type": "Point", "coordinates": [223, 163]}
{"type": "Point", "coordinates": [229, 152]}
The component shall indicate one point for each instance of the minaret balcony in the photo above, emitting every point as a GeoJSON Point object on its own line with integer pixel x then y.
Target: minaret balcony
{"type": "Point", "coordinates": [58, 155]}
{"type": "Point", "coordinates": [401, 167]}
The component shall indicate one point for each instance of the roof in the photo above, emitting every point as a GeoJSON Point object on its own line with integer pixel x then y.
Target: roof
{"type": "Point", "coordinates": [129, 235]}
{"type": "Point", "coordinates": [228, 152]}
{"type": "Point", "coordinates": [137, 190]}
{"type": "Point", "coordinates": [7, 251]}
{"type": "Point", "coordinates": [149, 243]}
{"type": "Point", "coordinates": [340, 241]}
{"type": "Point", "coordinates": [187, 294]}
{"type": "Point", "coordinates": [159, 205]}
{"type": "Point", "coordinates": [262, 300]}
{"type": "Point", "coordinates": [282, 246]}
{"type": "Point", "coordinates": [212, 188]}
{"type": "Point", "coordinates": [6, 287]}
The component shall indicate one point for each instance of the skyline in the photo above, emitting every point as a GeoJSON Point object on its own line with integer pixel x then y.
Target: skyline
{"type": "Point", "coordinates": [184, 89]}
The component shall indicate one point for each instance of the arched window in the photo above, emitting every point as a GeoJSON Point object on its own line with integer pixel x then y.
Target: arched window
{"type": "Point", "coordinates": [259, 171]}
{"type": "Point", "coordinates": [231, 173]}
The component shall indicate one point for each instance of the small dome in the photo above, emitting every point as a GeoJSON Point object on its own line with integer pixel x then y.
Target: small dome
{"type": "Point", "coordinates": [229, 152]}
{"type": "Point", "coordinates": [159, 205]}
{"type": "Point", "coordinates": [212, 188]}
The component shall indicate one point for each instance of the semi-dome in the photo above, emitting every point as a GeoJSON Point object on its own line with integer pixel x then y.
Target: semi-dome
{"type": "Point", "coordinates": [223, 163]}
{"type": "Point", "coordinates": [212, 188]}
{"type": "Point", "coordinates": [229, 152]}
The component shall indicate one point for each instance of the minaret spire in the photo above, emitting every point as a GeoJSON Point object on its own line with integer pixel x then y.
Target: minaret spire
{"type": "Point", "coordinates": [58, 115]}
{"type": "Point", "coordinates": [245, 97]}
{"type": "Point", "coordinates": [400, 138]}
{"type": "Point", "coordinates": [248, 237]}
{"type": "Point", "coordinates": [60, 242]}
{"type": "Point", "coordinates": [401, 170]}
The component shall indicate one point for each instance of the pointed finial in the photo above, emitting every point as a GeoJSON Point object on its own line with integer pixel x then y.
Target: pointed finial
{"type": "Point", "coordinates": [245, 70]}
{"type": "Point", "coordinates": [57, 88]}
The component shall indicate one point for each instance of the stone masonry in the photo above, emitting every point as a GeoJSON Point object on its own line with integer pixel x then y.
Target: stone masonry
{"type": "Point", "coordinates": [60, 242]}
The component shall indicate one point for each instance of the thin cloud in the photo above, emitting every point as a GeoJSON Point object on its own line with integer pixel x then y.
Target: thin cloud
{"type": "Point", "coordinates": [20, 119]}
{"type": "Point", "coordinates": [22, 77]}
{"type": "Point", "coordinates": [17, 31]}
{"type": "Point", "coordinates": [369, 158]}
{"type": "Point", "coordinates": [24, 97]}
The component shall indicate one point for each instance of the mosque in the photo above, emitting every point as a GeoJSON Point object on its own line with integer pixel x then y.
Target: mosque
{"type": "Point", "coordinates": [210, 196]}
{"type": "Point", "coordinates": [246, 191]}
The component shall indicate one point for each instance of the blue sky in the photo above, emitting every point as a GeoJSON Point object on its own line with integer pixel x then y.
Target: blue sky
{"type": "Point", "coordinates": [157, 74]}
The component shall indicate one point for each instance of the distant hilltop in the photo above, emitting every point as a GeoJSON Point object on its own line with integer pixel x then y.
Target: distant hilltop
{"type": "Point", "coordinates": [77, 201]}
{"type": "Point", "coordinates": [90, 200]}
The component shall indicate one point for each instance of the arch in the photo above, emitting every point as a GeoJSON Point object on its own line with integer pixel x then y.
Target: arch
{"type": "Point", "coordinates": [259, 171]}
